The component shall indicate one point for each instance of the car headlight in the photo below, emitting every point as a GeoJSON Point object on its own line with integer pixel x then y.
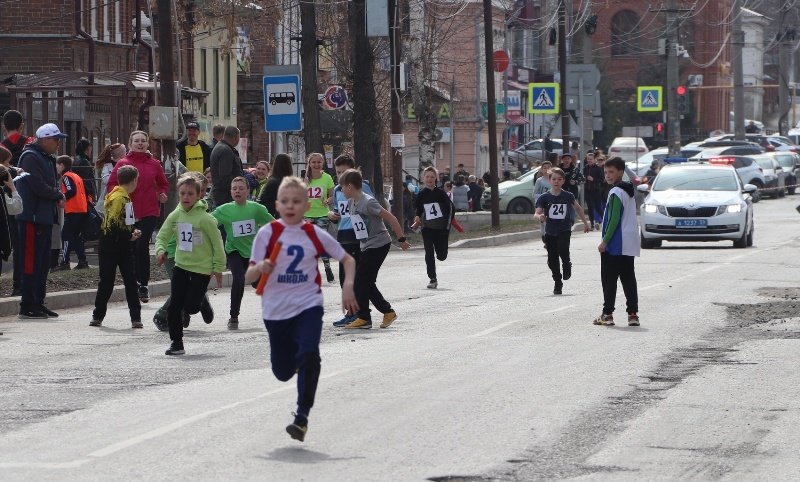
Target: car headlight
{"type": "Point", "coordinates": [502, 192]}
{"type": "Point", "coordinates": [733, 208]}
{"type": "Point", "coordinates": [651, 208]}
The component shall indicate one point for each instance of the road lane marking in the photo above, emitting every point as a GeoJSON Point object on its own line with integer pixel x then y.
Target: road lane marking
{"type": "Point", "coordinates": [155, 433]}
{"type": "Point", "coordinates": [509, 323]}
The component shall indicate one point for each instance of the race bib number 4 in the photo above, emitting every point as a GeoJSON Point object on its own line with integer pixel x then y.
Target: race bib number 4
{"type": "Point", "coordinates": [432, 211]}
{"type": "Point", "coordinates": [130, 219]}
{"type": "Point", "coordinates": [557, 211]}
{"type": "Point", "coordinates": [359, 226]}
{"type": "Point", "coordinates": [244, 228]}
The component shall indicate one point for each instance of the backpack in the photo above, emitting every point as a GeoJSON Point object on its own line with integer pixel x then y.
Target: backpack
{"type": "Point", "coordinates": [92, 226]}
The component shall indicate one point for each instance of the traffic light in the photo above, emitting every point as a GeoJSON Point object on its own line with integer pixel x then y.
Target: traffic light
{"type": "Point", "coordinates": [658, 131]}
{"type": "Point", "coordinates": [683, 99]}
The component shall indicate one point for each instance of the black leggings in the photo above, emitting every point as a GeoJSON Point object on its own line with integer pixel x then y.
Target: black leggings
{"type": "Point", "coordinates": [557, 247]}
{"type": "Point", "coordinates": [366, 275]}
{"type": "Point", "coordinates": [238, 265]}
{"type": "Point", "coordinates": [111, 257]}
{"type": "Point", "coordinates": [435, 241]}
{"type": "Point", "coordinates": [186, 294]}
{"type": "Point", "coordinates": [613, 268]}
{"type": "Point", "coordinates": [142, 249]}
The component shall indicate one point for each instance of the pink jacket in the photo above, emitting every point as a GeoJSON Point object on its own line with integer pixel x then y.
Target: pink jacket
{"type": "Point", "coordinates": [152, 182]}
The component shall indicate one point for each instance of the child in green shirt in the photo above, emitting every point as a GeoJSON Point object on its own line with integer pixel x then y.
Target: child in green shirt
{"type": "Point", "coordinates": [320, 197]}
{"type": "Point", "coordinates": [241, 220]}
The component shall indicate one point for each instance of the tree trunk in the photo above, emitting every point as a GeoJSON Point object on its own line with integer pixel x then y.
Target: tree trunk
{"type": "Point", "coordinates": [312, 131]}
{"type": "Point", "coordinates": [367, 124]}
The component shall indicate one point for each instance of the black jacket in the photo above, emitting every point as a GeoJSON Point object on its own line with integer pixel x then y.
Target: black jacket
{"type": "Point", "coordinates": [269, 195]}
{"type": "Point", "coordinates": [181, 146]}
{"type": "Point", "coordinates": [15, 144]}
{"type": "Point", "coordinates": [225, 165]}
{"type": "Point", "coordinates": [435, 195]}
{"type": "Point", "coordinates": [38, 186]}
{"type": "Point", "coordinates": [84, 167]}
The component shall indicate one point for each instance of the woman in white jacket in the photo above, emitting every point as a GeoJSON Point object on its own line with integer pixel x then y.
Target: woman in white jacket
{"type": "Point", "coordinates": [104, 165]}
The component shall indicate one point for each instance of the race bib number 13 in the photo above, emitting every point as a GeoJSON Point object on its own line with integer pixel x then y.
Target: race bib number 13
{"type": "Point", "coordinates": [557, 211]}
{"type": "Point", "coordinates": [244, 228]}
{"type": "Point", "coordinates": [359, 226]}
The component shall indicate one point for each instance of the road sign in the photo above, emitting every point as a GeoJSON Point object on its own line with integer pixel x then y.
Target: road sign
{"type": "Point", "coordinates": [649, 98]}
{"type": "Point", "coordinates": [543, 98]}
{"type": "Point", "coordinates": [501, 60]}
{"type": "Point", "coordinates": [637, 131]}
{"type": "Point", "coordinates": [589, 74]}
{"type": "Point", "coordinates": [282, 103]}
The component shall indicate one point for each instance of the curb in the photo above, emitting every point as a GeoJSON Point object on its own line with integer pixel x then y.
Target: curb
{"type": "Point", "coordinates": [62, 300]}
{"type": "Point", "coordinates": [508, 238]}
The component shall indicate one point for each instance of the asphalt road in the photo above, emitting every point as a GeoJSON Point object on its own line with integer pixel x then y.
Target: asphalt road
{"type": "Point", "coordinates": [490, 377]}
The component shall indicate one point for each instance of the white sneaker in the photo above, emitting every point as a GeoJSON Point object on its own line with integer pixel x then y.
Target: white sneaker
{"type": "Point", "coordinates": [433, 284]}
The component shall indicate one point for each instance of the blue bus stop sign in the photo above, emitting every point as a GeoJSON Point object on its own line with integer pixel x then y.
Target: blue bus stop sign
{"type": "Point", "coordinates": [282, 111]}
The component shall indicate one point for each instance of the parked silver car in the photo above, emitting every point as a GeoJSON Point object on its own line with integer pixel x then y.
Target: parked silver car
{"type": "Point", "coordinates": [531, 152]}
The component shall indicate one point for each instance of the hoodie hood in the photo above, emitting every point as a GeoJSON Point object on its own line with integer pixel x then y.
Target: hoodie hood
{"type": "Point", "coordinates": [116, 193]}
{"type": "Point", "coordinates": [627, 187]}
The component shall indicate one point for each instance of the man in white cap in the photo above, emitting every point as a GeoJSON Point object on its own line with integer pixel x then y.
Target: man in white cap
{"type": "Point", "coordinates": [41, 198]}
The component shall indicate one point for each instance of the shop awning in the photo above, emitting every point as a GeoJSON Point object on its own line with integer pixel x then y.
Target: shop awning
{"type": "Point", "coordinates": [516, 120]}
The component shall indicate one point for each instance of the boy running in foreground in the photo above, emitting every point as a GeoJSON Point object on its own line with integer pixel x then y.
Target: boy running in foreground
{"type": "Point", "coordinates": [292, 302]}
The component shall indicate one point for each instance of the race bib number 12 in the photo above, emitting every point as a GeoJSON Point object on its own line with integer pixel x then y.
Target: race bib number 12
{"type": "Point", "coordinates": [185, 237]}
{"type": "Point", "coordinates": [359, 226]}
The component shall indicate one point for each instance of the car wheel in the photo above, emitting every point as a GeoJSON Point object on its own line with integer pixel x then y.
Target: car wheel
{"type": "Point", "coordinates": [520, 206]}
{"type": "Point", "coordinates": [741, 242]}
{"type": "Point", "coordinates": [649, 243]}
{"type": "Point", "coordinates": [757, 195]}
{"type": "Point", "coordinates": [792, 190]}
{"type": "Point", "coordinates": [750, 236]}
{"type": "Point", "coordinates": [781, 191]}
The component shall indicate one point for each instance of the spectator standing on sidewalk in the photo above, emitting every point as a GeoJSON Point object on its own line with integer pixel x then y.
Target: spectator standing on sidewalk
{"type": "Point", "coordinates": [151, 190]}
{"type": "Point", "coordinates": [15, 140]}
{"type": "Point", "coordinates": [225, 166]}
{"type": "Point", "coordinates": [192, 152]}
{"type": "Point", "coordinates": [105, 164]}
{"type": "Point", "coordinates": [83, 166]}
{"type": "Point", "coordinates": [41, 197]}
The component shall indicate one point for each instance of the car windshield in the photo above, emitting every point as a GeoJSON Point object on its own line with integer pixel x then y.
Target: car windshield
{"type": "Point", "coordinates": [528, 175]}
{"type": "Point", "coordinates": [765, 163]}
{"type": "Point", "coordinates": [786, 161]}
{"type": "Point", "coordinates": [696, 180]}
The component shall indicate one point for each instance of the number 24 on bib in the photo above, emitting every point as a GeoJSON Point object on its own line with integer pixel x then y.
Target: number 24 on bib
{"type": "Point", "coordinates": [557, 211]}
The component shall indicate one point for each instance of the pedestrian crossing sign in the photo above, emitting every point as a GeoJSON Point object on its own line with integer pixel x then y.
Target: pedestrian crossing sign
{"type": "Point", "coordinates": [543, 98]}
{"type": "Point", "coordinates": [649, 98]}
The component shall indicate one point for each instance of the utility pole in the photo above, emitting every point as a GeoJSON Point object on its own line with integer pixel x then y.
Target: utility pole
{"type": "Point", "coordinates": [673, 116]}
{"type": "Point", "coordinates": [166, 68]}
{"type": "Point", "coordinates": [737, 42]}
{"type": "Point", "coordinates": [784, 65]}
{"type": "Point", "coordinates": [562, 69]}
{"type": "Point", "coordinates": [312, 132]}
{"type": "Point", "coordinates": [488, 47]}
{"type": "Point", "coordinates": [397, 121]}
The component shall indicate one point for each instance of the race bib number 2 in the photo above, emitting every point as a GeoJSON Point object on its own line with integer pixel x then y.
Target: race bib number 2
{"type": "Point", "coordinates": [359, 226]}
{"type": "Point", "coordinates": [244, 228]}
{"type": "Point", "coordinates": [432, 211]}
{"type": "Point", "coordinates": [557, 211]}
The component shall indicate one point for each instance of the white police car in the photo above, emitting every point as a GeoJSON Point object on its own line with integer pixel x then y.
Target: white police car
{"type": "Point", "coordinates": [697, 201]}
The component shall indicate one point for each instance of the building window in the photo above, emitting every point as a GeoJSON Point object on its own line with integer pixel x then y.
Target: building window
{"type": "Point", "coordinates": [106, 32]}
{"type": "Point", "coordinates": [227, 92]}
{"type": "Point", "coordinates": [93, 17]}
{"type": "Point", "coordinates": [624, 32]}
{"type": "Point", "coordinates": [117, 31]}
{"type": "Point", "coordinates": [204, 76]}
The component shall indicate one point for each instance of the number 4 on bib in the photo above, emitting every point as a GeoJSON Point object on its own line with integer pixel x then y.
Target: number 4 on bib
{"type": "Point", "coordinates": [432, 211]}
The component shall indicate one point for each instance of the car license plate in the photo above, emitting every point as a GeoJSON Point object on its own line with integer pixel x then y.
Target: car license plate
{"type": "Point", "coordinates": [691, 223]}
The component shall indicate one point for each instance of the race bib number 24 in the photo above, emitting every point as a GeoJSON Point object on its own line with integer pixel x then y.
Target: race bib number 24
{"type": "Point", "coordinates": [557, 211]}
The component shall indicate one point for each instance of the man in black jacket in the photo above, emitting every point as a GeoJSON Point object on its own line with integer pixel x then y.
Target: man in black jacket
{"type": "Point", "coordinates": [225, 165]}
{"type": "Point", "coordinates": [41, 196]}
{"type": "Point", "coordinates": [15, 140]}
{"type": "Point", "coordinates": [192, 152]}
{"type": "Point", "coordinates": [83, 166]}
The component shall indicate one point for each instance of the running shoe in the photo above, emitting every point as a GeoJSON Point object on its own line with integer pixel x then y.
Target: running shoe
{"type": "Point", "coordinates": [50, 313]}
{"type": "Point", "coordinates": [32, 314]}
{"type": "Point", "coordinates": [136, 324]}
{"type": "Point", "coordinates": [359, 323]}
{"type": "Point", "coordinates": [175, 348]}
{"type": "Point", "coordinates": [567, 271]}
{"type": "Point", "coordinates": [604, 320]}
{"type": "Point", "coordinates": [233, 323]}
{"type": "Point", "coordinates": [96, 322]}
{"type": "Point", "coordinates": [345, 321]}
{"type": "Point", "coordinates": [299, 428]}
{"type": "Point", "coordinates": [633, 319]}
{"type": "Point", "coordinates": [388, 319]}
{"type": "Point", "coordinates": [557, 288]}
{"type": "Point", "coordinates": [433, 284]}
{"type": "Point", "coordinates": [144, 294]}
